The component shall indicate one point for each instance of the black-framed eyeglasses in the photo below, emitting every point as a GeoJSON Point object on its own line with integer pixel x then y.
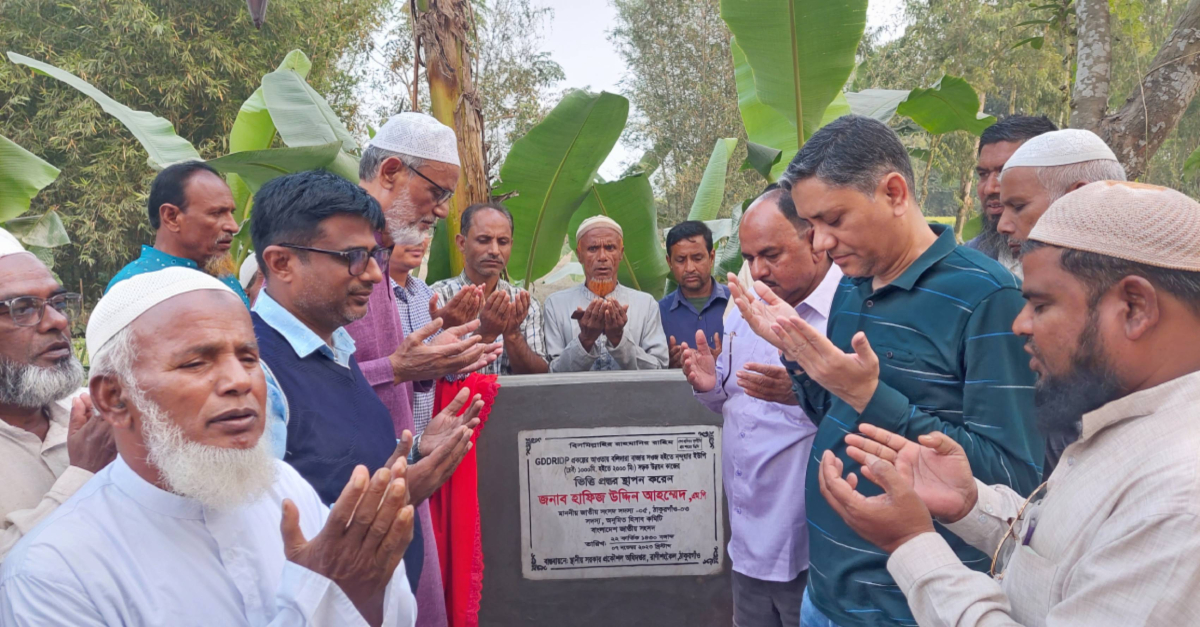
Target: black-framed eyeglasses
{"type": "Point", "coordinates": [356, 258]}
{"type": "Point", "coordinates": [28, 311]}
{"type": "Point", "coordinates": [444, 195]}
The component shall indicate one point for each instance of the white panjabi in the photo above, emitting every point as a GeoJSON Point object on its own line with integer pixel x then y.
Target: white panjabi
{"type": "Point", "coordinates": [134, 296]}
{"type": "Point", "coordinates": [9, 245]}
{"type": "Point", "coordinates": [246, 272]}
{"type": "Point", "coordinates": [417, 135]}
{"type": "Point", "coordinates": [1148, 224]}
{"type": "Point", "coordinates": [1065, 147]}
{"type": "Point", "coordinates": [598, 222]}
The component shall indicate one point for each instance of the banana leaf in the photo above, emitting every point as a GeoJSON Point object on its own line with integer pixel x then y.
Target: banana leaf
{"type": "Point", "coordinates": [729, 255]}
{"type": "Point", "coordinates": [761, 159]}
{"type": "Point", "coordinates": [550, 170]}
{"type": "Point", "coordinates": [630, 201]}
{"type": "Point", "coordinates": [764, 125]}
{"type": "Point", "coordinates": [300, 114]}
{"type": "Point", "coordinates": [950, 105]}
{"type": "Point", "coordinates": [800, 51]}
{"type": "Point", "coordinates": [44, 231]}
{"type": "Point", "coordinates": [438, 267]}
{"type": "Point", "coordinates": [156, 135]}
{"type": "Point", "coordinates": [711, 191]}
{"type": "Point", "coordinates": [877, 103]}
{"type": "Point", "coordinates": [22, 175]}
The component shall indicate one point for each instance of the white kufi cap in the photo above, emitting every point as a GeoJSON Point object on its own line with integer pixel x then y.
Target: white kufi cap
{"type": "Point", "coordinates": [134, 296]}
{"type": "Point", "coordinates": [246, 272]}
{"type": "Point", "coordinates": [1065, 147]}
{"type": "Point", "coordinates": [9, 245]}
{"type": "Point", "coordinates": [1148, 224]}
{"type": "Point", "coordinates": [417, 135]}
{"type": "Point", "coordinates": [598, 222]}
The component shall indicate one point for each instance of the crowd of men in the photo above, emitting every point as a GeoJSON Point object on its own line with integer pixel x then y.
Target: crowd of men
{"type": "Point", "coordinates": [256, 445]}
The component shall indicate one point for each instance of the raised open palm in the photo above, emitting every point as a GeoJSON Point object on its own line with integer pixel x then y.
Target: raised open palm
{"type": "Point", "coordinates": [936, 466]}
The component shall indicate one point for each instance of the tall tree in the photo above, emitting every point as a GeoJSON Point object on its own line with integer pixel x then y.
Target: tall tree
{"type": "Point", "coordinates": [193, 63]}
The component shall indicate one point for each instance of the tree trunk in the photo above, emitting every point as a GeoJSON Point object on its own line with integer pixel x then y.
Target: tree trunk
{"type": "Point", "coordinates": [1150, 114]}
{"type": "Point", "coordinates": [443, 29]}
{"type": "Point", "coordinates": [1093, 65]}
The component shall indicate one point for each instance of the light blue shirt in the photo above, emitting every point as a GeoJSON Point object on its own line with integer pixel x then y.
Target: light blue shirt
{"type": "Point", "coordinates": [305, 342]}
{"type": "Point", "coordinates": [153, 259]}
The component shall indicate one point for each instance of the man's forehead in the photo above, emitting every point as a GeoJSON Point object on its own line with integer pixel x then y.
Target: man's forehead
{"type": "Point", "coordinates": [198, 317]}
{"type": "Point", "coordinates": [23, 274]}
{"type": "Point", "coordinates": [1021, 179]}
{"type": "Point", "coordinates": [490, 222]}
{"type": "Point", "coordinates": [205, 186]}
{"type": "Point", "coordinates": [601, 235]}
{"type": "Point", "coordinates": [995, 154]}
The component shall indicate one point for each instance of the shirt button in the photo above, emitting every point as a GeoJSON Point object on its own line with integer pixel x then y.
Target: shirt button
{"type": "Point", "coordinates": [742, 434]}
{"type": "Point", "coordinates": [870, 304]}
{"type": "Point", "coordinates": [738, 510]}
{"type": "Point", "coordinates": [889, 354]}
{"type": "Point", "coordinates": [982, 518]}
{"type": "Point", "coordinates": [739, 473]}
{"type": "Point", "coordinates": [1071, 460]}
{"type": "Point", "coordinates": [988, 509]}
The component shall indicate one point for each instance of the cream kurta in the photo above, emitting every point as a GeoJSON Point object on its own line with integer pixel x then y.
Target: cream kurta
{"type": "Point", "coordinates": [1116, 540]}
{"type": "Point", "coordinates": [37, 475]}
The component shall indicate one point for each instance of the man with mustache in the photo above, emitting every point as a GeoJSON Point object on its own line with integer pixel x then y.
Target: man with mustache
{"type": "Point", "coordinates": [191, 211]}
{"type": "Point", "coordinates": [50, 442]}
{"type": "Point", "coordinates": [1112, 325]}
{"type": "Point", "coordinates": [997, 143]}
{"type": "Point", "coordinates": [195, 522]}
{"type": "Point", "coordinates": [698, 304]}
{"type": "Point", "coordinates": [508, 315]}
{"type": "Point", "coordinates": [763, 466]}
{"type": "Point", "coordinates": [603, 325]}
{"type": "Point", "coordinates": [411, 169]}
{"type": "Point", "coordinates": [919, 339]}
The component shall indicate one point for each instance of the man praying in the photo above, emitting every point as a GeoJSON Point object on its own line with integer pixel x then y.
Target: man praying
{"type": "Point", "coordinates": [603, 325]}
{"type": "Point", "coordinates": [195, 521]}
{"type": "Point", "coordinates": [698, 304]}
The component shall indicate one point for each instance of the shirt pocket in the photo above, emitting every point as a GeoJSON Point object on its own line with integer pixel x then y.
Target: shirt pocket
{"type": "Point", "coordinates": [1030, 584]}
{"type": "Point", "coordinates": [890, 354]}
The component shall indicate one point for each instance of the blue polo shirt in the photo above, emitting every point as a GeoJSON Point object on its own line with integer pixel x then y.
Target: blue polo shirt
{"type": "Point", "coordinates": [680, 318]}
{"type": "Point", "coordinates": [153, 259]}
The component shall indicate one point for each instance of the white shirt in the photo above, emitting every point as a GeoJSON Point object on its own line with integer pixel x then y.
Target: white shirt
{"type": "Point", "coordinates": [124, 552]}
{"type": "Point", "coordinates": [643, 345]}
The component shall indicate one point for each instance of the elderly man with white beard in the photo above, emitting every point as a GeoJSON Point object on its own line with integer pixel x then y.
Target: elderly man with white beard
{"type": "Point", "coordinates": [196, 522]}
{"type": "Point", "coordinates": [50, 443]}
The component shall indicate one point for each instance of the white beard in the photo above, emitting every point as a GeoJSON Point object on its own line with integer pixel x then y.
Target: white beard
{"type": "Point", "coordinates": [402, 221]}
{"type": "Point", "coordinates": [219, 478]}
{"type": "Point", "coordinates": [32, 387]}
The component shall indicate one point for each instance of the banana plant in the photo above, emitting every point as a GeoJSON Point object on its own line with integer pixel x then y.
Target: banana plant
{"type": "Point", "coordinates": [630, 202]}
{"type": "Point", "coordinates": [22, 175]}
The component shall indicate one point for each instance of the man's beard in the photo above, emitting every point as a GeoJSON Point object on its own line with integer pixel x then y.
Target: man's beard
{"type": "Point", "coordinates": [991, 242]}
{"type": "Point", "coordinates": [403, 221]}
{"type": "Point", "coordinates": [1062, 400]}
{"type": "Point", "coordinates": [220, 266]}
{"type": "Point", "coordinates": [34, 387]}
{"type": "Point", "coordinates": [218, 478]}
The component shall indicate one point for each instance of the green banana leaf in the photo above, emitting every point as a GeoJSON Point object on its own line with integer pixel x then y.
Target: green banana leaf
{"type": "Point", "coordinates": [711, 191]}
{"type": "Point", "coordinates": [45, 231]}
{"type": "Point", "coordinates": [761, 159]}
{"type": "Point", "coordinates": [764, 125]}
{"type": "Point", "coordinates": [729, 255]}
{"type": "Point", "coordinates": [630, 201]}
{"type": "Point", "coordinates": [300, 114]}
{"type": "Point", "coordinates": [156, 135]}
{"type": "Point", "coordinates": [877, 103]}
{"type": "Point", "coordinates": [438, 267]}
{"type": "Point", "coordinates": [1192, 163]}
{"type": "Point", "coordinates": [801, 53]}
{"type": "Point", "coordinates": [22, 175]}
{"type": "Point", "coordinates": [972, 227]}
{"type": "Point", "coordinates": [950, 105]}
{"type": "Point", "coordinates": [550, 170]}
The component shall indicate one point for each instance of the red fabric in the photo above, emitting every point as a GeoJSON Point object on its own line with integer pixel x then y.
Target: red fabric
{"type": "Point", "coordinates": [454, 509]}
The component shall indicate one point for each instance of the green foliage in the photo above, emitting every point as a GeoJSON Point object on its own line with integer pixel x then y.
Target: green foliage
{"type": "Point", "coordinates": [22, 175]}
{"type": "Point", "coordinates": [711, 190]}
{"type": "Point", "coordinates": [761, 159]}
{"type": "Point", "coordinates": [191, 63]}
{"type": "Point", "coordinates": [764, 125]}
{"type": "Point", "coordinates": [729, 255]}
{"type": "Point", "coordinates": [950, 105]}
{"type": "Point", "coordinates": [630, 202]}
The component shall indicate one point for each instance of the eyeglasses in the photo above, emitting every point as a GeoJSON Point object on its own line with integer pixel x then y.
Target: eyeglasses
{"type": "Point", "coordinates": [355, 258]}
{"type": "Point", "coordinates": [1010, 539]}
{"type": "Point", "coordinates": [444, 195]}
{"type": "Point", "coordinates": [28, 311]}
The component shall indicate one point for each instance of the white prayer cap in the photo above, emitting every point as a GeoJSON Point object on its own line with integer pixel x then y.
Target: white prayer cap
{"type": "Point", "coordinates": [417, 135]}
{"type": "Point", "coordinates": [9, 245]}
{"type": "Point", "coordinates": [598, 222]}
{"type": "Point", "coordinates": [1148, 224]}
{"type": "Point", "coordinates": [246, 272]}
{"type": "Point", "coordinates": [1065, 147]}
{"type": "Point", "coordinates": [134, 296]}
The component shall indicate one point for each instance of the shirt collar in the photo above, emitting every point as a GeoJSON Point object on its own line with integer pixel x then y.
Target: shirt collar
{"type": "Point", "coordinates": [942, 246]}
{"type": "Point", "coordinates": [1183, 390]}
{"type": "Point", "coordinates": [302, 339]}
{"type": "Point", "coordinates": [719, 292]}
{"type": "Point", "coordinates": [153, 254]}
{"type": "Point", "coordinates": [150, 496]}
{"type": "Point", "coordinates": [821, 299]}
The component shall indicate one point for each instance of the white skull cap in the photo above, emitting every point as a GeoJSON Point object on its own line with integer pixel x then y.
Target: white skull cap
{"type": "Point", "coordinates": [417, 135]}
{"type": "Point", "coordinates": [1097, 218]}
{"type": "Point", "coordinates": [246, 272]}
{"type": "Point", "coordinates": [9, 245]}
{"type": "Point", "coordinates": [138, 294]}
{"type": "Point", "coordinates": [598, 222]}
{"type": "Point", "coordinates": [1065, 147]}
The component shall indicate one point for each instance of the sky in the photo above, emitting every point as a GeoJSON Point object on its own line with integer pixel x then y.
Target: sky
{"type": "Point", "coordinates": [577, 39]}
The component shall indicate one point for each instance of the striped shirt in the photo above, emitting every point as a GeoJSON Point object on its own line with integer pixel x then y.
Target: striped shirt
{"type": "Point", "coordinates": [412, 300]}
{"type": "Point", "coordinates": [949, 362]}
{"type": "Point", "coordinates": [531, 328]}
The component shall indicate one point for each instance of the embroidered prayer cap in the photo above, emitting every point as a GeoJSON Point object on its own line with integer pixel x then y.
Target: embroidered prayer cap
{"type": "Point", "coordinates": [134, 296]}
{"type": "Point", "coordinates": [417, 135]}
{"type": "Point", "coordinates": [1148, 224]}
{"type": "Point", "coordinates": [1065, 147]}
{"type": "Point", "coordinates": [9, 245]}
{"type": "Point", "coordinates": [598, 222]}
{"type": "Point", "coordinates": [246, 272]}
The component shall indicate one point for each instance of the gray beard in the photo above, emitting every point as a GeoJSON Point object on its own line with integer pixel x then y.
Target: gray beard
{"type": "Point", "coordinates": [402, 221]}
{"type": "Point", "coordinates": [34, 387]}
{"type": "Point", "coordinates": [218, 478]}
{"type": "Point", "coordinates": [991, 242]}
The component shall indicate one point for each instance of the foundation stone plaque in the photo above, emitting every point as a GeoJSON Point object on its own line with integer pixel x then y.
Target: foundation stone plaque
{"type": "Point", "coordinates": [621, 502]}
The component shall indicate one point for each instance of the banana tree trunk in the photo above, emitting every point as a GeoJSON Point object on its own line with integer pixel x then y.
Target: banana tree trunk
{"type": "Point", "coordinates": [443, 30]}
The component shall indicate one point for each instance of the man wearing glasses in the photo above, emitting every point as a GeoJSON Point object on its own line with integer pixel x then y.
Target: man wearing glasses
{"type": "Point", "coordinates": [50, 441]}
{"type": "Point", "coordinates": [1112, 325]}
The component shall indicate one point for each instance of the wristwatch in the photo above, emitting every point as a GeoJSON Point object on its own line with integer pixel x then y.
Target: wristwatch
{"type": "Point", "coordinates": [414, 455]}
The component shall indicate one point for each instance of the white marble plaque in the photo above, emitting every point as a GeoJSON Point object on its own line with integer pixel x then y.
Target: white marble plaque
{"type": "Point", "coordinates": [621, 502]}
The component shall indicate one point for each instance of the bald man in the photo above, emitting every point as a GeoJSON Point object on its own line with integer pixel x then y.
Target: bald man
{"type": "Point", "coordinates": [603, 325]}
